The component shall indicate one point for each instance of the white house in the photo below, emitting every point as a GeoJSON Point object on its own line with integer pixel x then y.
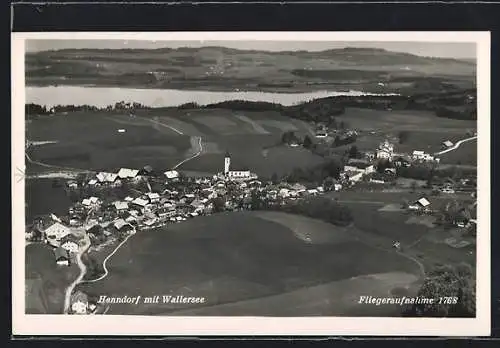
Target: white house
{"type": "Point", "coordinates": [57, 231]}
{"type": "Point", "coordinates": [385, 150]}
{"type": "Point", "coordinates": [70, 243]}
{"type": "Point", "coordinates": [447, 143]}
{"type": "Point", "coordinates": [120, 206]}
{"type": "Point", "coordinates": [140, 202]}
{"type": "Point", "coordinates": [153, 197]}
{"type": "Point", "coordinates": [125, 173]}
{"type": "Point", "coordinates": [79, 303]}
{"type": "Point", "coordinates": [171, 174]}
{"type": "Point", "coordinates": [422, 203]}
{"type": "Point", "coordinates": [62, 258]}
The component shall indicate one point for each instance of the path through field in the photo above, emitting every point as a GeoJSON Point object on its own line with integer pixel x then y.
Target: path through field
{"type": "Point", "coordinates": [456, 146]}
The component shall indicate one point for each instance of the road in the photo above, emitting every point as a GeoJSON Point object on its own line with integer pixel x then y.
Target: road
{"type": "Point", "coordinates": [83, 270]}
{"type": "Point", "coordinates": [106, 272]}
{"type": "Point", "coordinates": [200, 150]}
{"type": "Point", "coordinates": [456, 146]}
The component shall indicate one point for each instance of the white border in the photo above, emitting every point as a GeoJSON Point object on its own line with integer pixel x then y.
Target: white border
{"type": "Point", "coordinates": [208, 326]}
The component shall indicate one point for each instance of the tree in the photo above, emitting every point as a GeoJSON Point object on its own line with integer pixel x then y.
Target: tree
{"type": "Point", "coordinates": [413, 186]}
{"type": "Point", "coordinates": [403, 136]}
{"type": "Point", "coordinates": [452, 287]}
{"type": "Point", "coordinates": [219, 204]}
{"type": "Point", "coordinates": [307, 142]}
{"type": "Point", "coordinates": [353, 152]}
{"type": "Point", "coordinates": [274, 178]}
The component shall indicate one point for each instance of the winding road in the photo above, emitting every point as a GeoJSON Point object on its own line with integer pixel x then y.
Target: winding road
{"type": "Point", "coordinates": [456, 146]}
{"type": "Point", "coordinates": [106, 272]}
{"type": "Point", "coordinates": [83, 269]}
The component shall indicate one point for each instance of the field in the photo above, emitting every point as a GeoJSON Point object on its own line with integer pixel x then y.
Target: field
{"type": "Point", "coordinates": [378, 218]}
{"type": "Point", "coordinates": [162, 139]}
{"type": "Point", "coordinates": [466, 154]}
{"type": "Point", "coordinates": [37, 192]}
{"type": "Point", "coordinates": [264, 260]}
{"type": "Point", "coordinates": [45, 281]}
{"type": "Point", "coordinates": [91, 141]}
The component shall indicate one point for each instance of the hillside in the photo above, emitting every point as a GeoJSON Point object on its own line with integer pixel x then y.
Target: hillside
{"type": "Point", "coordinates": [222, 68]}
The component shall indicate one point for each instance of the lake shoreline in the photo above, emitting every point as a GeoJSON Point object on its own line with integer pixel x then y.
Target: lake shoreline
{"type": "Point", "coordinates": [104, 96]}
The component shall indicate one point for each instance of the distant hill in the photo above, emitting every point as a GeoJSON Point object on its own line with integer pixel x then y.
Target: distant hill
{"type": "Point", "coordinates": [222, 68]}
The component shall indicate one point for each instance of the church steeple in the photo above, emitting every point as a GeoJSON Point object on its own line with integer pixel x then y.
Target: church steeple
{"type": "Point", "coordinates": [227, 163]}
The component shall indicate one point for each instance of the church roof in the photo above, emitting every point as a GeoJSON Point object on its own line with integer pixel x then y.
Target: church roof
{"type": "Point", "coordinates": [227, 154]}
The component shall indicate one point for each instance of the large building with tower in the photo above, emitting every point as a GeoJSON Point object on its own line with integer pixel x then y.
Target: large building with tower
{"type": "Point", "coordinates": [242, 174]}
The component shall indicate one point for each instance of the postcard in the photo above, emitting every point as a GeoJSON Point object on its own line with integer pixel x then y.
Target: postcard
{"type": "Point", "coordinates": [253, 183]}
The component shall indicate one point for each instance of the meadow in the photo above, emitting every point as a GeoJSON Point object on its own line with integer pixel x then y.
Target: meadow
{"type": "Point", "coordinates": [90, 140]}
{"type": "Point", "coordinates": [235, 257]}
{"type": "Point", "coordinates": [45, 281]}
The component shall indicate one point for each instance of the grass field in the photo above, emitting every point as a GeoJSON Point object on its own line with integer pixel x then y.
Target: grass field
{"type": "Point", "coordinates": [45, 281]}
{"type": "Point", "coordinates": [163, 138]}
{"type": "Point", "coordinates": [377, 219]}
{"type": "Point", "coordinates": [37, 191]}
{"type": "Point", "coordinates": [259, 258]}
{"type": "Point", "coordinates": [92, 141]}
{"type": "Point", "coordinates": [465, 154]}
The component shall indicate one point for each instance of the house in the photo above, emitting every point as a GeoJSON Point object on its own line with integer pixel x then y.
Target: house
{"type": "Point", "coordinates": [79, 303]}
{"type": "Point", "coordinates": [93, 182]}
{"type": "Point", "coordinates": [377, 181]}
{"type": "Point", "coordinates": [140, 202]}
{"type": "Point", "coordinates": [128, 199]}
{"type": "Point", "coordinates": [62, 257]}
{"type": "Point", "coordinates": [72, 184]}
{"type": "Point", "coordinates": [120, 206]}
{"type": "Point", "coordinates": [153, 197]}
{"type": "Point", "coordinates": [401, 162]}
{"type": "Point", "coordinates": [70, 243]}
{"type": "Point", "coordinates": [56, 231]}
{"type": "Point", "coordinates": [337, 187]}
{"type": "Point", "coordinates": [146, 170]}
{"type": "Point", "coordinates": [422, 156]}
{"type": "Point", "coordinates": [385, 151]}
{"type": "Point", "coordinates": [418, 155]}
{"type": "Point", "coordinates": [125, 173]}
{"type": "Point", "coordinates": [171, 174]}
{"type": "Point", "coordinates": [109, 178]}
{"type": "Point", "coordinates": [422, 203]}
{"type": "Point", "coordinates": [447, 144]}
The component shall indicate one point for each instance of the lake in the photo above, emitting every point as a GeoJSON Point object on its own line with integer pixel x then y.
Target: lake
{"type": "Point", "coordinates": [104, 96]}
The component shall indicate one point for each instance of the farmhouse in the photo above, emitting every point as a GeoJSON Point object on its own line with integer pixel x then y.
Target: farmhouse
{"type": "Point", "coordinates": [103, 177]}
{"type": "Point", "coordinates": [120, 206]}
{"type": "Point", "coordinates": [125, 173]}
{"type": "Point", "coordinates": [79, 303]}
{"type": "Point", "coordinates": [422, 156]}
{"type": "Point", "coordinates": [171, 174]}
{"type": "Point", "coordinates": [153, 197]}
{"type": "Point", "coordinates": [420, 204]}
{"type": "Point", "coordinates": [70, 243]}
{"type": "Point", "coordinates": [447, 144]}
{"type": "Point", "coordinates": [61, 255]}
{"type": "Point", "coordinates": [56, 231]}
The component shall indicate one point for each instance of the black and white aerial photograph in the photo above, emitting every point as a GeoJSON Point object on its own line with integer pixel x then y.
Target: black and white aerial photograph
{"type": "Point", "coordinates": [250, 178]}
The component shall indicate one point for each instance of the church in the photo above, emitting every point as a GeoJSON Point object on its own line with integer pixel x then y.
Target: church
{"type": "Point", "coordinates": [236, 174]}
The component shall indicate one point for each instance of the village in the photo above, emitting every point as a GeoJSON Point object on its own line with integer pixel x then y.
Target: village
{"type": "Point", "coordinates": [114, 206]}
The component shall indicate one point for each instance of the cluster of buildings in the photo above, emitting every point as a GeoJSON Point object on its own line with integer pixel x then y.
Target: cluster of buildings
{"type": "Point", "coordinates": [103, 216]}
